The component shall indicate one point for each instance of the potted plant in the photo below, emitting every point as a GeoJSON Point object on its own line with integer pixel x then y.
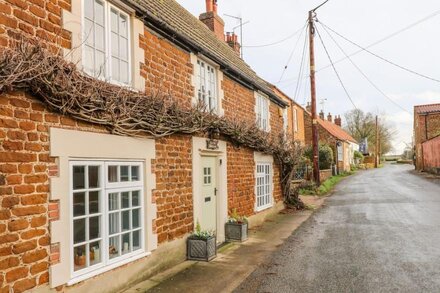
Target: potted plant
{"type": "Point", "coordinates": [201, 245]}
{"type": "Point", "coordinates": [236, 228]}
{"type": "Point", "coordinates": [80, 258]}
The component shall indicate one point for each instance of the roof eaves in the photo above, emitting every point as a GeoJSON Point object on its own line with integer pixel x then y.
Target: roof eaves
{"type": "Point", "coordinates": [154, 22]}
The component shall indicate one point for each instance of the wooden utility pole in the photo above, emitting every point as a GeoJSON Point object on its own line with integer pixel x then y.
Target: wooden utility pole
{"type": "Point", "coordinates": [377, 158]}
{"type": "Point", "coordinates": [315, 140]}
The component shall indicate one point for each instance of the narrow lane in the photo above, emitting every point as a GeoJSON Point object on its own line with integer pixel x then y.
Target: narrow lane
{"type": "Point", "coordinates": [379, 232]}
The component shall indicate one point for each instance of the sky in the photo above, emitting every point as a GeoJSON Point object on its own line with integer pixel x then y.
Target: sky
{"type": "Point", "coordinates": [363, 22]}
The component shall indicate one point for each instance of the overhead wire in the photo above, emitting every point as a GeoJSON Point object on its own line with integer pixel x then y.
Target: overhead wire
{"type": "Point", "coordinates": [301, 68]}
{"type": "Point", "coordinates": [334, 68]}
{"type": "Point", "coordinates": [435, 13]}
{"type": "Point", "coordinates": [382, 58]}
{"type": "Point", "coordinates": [276, 42]}
{"type": "Point", "coordinates": [293, 51]}
{"type": "Point", "coordinates": [362, 73]}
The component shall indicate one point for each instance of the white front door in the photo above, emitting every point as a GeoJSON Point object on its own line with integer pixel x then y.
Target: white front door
{"type": "Point", "coordinates": [209, 194]}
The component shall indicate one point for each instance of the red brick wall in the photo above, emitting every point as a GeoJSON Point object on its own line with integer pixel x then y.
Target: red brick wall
{"type": "Point", "coordinates": [241, 180]}
{"type": "Point", "coordinates": [25, 168]}
{"type": "Point", "coordinates": [167, 69]}
{"type": "Point", "coordinates": [238, 102]}
{"type": "Point", "coordinates": [38, 18]}
{"type": "Point", "coordinates": [173, 194]}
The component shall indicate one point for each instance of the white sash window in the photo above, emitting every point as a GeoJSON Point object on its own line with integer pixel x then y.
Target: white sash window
{"type": "Point", "coordinates": [263, 186]}
{"type": "Point", "coordinates": [262, 110]}
{"type": "Point", "coordinates": [207, 85]}
{"type": "Point", "coordinates": [106, 47]}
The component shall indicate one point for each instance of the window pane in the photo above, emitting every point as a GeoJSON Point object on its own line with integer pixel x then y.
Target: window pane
{"type": "Point", "coordinates": [94, 228]}
{"type": "Point", "coordinates": [136, 240]}
{"type": "Point", "coordinates": [112, 173]}
{"type": "Point", "coordinates": [124, 72]}
{"type": "Point", "coordinates": [79, 204]}
{"type": "Point", "coordinates": [80, 257]}
{"type": "Point", "coordinates": [134, 173]}
{"type": "Point", "coordinates": [79, 177]}
{"type": "Point", "coordinates": [113, 201]}
{"type": "Point", "coordinates": [88, 8]}
{"type": "Point", "coordinates": [123, 24]}
{"type": "Point", "coordinates": [99, 37]}
{"type": "Point", "coordinates": [135, 200]}
{"type": "Point", "coordinates": [89, 33]}
{"type": "Point", "coordinates": [115, 68]}
{"type": "Point", "coordinates": [113, 223]}
{"type": "Point", "coordinates": [125, 199]}
{"type": "Point", "coordinates": [79, 230]}
{"type": "Point", "coordinates": [89, 60]}
{"type": "Point", "coordinates": [99, 64]}
{"type": "Point", "coordinates": [95, 252]}
{"type": "Point", "coordinates": [114, 20]}
{"type": "Point", "coordinates": [123, 50]}
{"type": "Point", "coordinates": [126, 243]}
{"type": "Point", "coordinates": [115, 45]}
{"type": "Point", "coordinates": [99, 12]}
{"type": "Point", "coordinates": [125, 220]}
{"type": "Point", "coordinates": [93, 202]}
{"type": "Point", "coordinates": [93, 176]}
{"type": "Point", "coordinates": [113, 247]}
{"type": "Point", "coordinates": [124, 173]}
{"type": "Point", "coordinates": [135, 216]}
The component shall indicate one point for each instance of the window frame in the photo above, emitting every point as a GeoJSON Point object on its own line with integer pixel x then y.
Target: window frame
{"type": "Point", "coordinates": [295, 119]}
{"type": "Point", "coordinates": [216, 87]}
{"type": "Point", "coordinates": [268, 204]}
{"type": "Point", "coordinates": [262, 112]}
{"type": "Point", "coordinates": [106, 262]}
{"type": "Point", "coordinates": [107, 44]}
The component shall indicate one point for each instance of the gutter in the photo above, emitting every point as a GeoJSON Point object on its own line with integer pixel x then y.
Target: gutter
{"type": "Point", "coordinates": [164, 29]}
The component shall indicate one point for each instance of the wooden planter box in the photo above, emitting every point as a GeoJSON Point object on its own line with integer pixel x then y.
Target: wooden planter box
{"type": "Point", "coordinates": [201, 249]}
{"type": "Point", "coordinates": [236, 232]}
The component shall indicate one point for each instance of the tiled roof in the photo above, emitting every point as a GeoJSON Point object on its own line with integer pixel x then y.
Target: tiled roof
{"type": "Point", "coordinates": [171, 14]}
{"type": "Point", "coordinates": [425, 109]}
{"type": "Point", "coordinates": [335, 130]}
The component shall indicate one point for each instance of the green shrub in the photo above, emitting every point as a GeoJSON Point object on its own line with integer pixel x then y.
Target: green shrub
{"type": "Point", "coordinates": [358, 155]}
{"type": "Point", "coordinates": [325, 156]}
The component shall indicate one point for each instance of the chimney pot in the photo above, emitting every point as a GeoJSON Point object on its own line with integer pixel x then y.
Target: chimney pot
{"type": "Point", "coordinates": [321, 115]}
{"type": "Point", "coordinates": [209, 5]}
{"type": "Point", "coordinates": [329, 117]}
{"type": "Point", "coordinates": [309, 107]}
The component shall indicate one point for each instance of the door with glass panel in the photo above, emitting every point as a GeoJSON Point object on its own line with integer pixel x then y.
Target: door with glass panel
{"type": "Point", "coordinates": [208, 219]}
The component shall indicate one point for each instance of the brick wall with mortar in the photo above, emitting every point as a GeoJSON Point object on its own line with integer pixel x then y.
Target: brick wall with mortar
{"type": "Point", "coordinates": [425, 127]}
{"type": "Point", "coordinates": [37, 18]}
{"type": "Point", "coordinates": [25, 165]}
{"type": "Point", "coordinates": [25, 168]}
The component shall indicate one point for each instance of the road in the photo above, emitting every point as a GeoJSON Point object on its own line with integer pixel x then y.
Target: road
{"type": "Point", "coordinates": [379, 232]}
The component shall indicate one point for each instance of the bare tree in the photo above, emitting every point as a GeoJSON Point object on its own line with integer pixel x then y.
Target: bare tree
{"type": "Point", "coordinates": [361, 125]}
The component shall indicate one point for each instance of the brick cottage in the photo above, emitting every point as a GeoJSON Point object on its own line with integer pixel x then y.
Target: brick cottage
{"type": "Point", "coordinates": [84, 210]}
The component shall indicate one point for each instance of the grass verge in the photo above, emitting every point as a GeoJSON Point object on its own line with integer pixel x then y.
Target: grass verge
{"type": "Point", "coordinates": [326, 186]}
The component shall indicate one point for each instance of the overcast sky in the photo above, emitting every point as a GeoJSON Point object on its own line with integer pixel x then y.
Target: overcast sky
{"type": "Point", "coordinates": [362, 21]}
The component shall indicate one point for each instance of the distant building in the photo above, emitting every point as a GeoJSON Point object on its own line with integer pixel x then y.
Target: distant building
{"type": "Point", "coordinates": [426, 137]}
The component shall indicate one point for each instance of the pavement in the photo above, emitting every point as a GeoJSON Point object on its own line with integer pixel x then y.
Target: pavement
{"type": "Point", "coordinates": [378, 232]}
{"type": "Point", "coordinates": [234, 262]}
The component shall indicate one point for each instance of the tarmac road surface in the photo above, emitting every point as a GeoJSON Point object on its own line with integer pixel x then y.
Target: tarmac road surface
{"type": "Point", "coordinates": [379, 232]}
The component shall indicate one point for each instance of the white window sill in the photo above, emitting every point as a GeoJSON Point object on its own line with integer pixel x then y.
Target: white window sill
{"type": "Point", "coordinates": [265, 207]}
{"type": "Point", "coordinates": [107, 268]}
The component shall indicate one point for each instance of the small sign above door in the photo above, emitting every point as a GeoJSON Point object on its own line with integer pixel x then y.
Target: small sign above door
{"type": "Point", "coordinates": [212, 144]}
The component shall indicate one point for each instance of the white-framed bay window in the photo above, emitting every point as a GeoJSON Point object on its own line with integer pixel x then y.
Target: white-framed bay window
{"type": "Point", "coordinates": [107, 214]}
{"type": "Point", "coordinates": [262, 112]}
{"type": "Point", "coordinates": [106, 45]}
{"type": "Point", "coordinates": [207, 85]}
{"type": "Point", "coordinates": [264, 197]}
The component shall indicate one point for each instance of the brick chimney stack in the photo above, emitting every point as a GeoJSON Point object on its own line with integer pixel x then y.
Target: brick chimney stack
{"type": "Point", "coordinates": [338, 120]}
{"type": "Point", "coordinates": [232, 40]}
{"type": "Point", "coordinates": [321, 115]}
{"type": "Point", "coordinates": [329, 117]}
{"type": "Point", "coordinates": [212, 20]}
